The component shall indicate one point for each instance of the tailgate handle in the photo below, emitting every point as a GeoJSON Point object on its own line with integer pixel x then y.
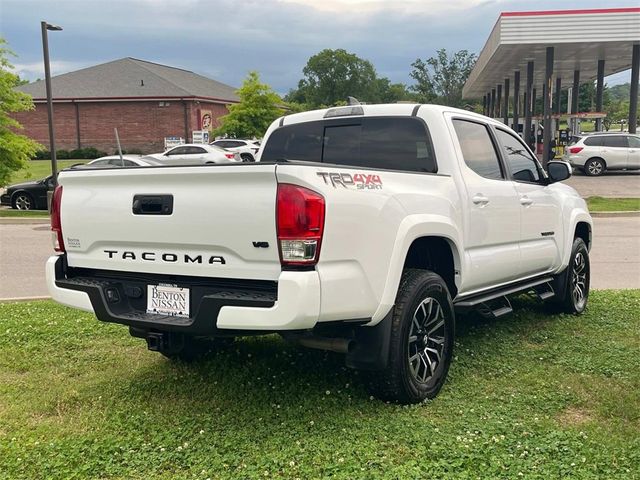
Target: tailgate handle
{"type": "Point", "coordinates": [152, 204]}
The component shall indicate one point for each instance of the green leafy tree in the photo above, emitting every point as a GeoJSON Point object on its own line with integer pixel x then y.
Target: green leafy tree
{"type": "Point", "coordinates": [259, 106]}
{"type": "Point", "coordinates": [331, 76]}
{"type": "Point", "coordinates": [440, 79]}
{"type": "Point", "coordinates": [15, 149]}
{"type": "Point", "coordinates": [393, 92]}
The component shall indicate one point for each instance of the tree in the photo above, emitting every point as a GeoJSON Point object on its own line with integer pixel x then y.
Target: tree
{"type": "Point", "coordinates": [388, 92]}
{"type": "Point", "coordinates": [15, 149]}
{"type": "Point", "coordinates": [440, 79]}
{"type": "Point", "coordinates": [331, 76]}
{"type": "Point", "coordinates": [259, 106]}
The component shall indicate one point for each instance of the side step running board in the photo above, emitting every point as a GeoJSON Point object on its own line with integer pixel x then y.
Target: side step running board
{"type": "Point", "coordinates": [485, 302]}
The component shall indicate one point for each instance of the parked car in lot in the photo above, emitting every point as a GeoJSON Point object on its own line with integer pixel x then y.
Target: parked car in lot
{"type": "Point", "coordinates": [195, 153]}
{"type": "Point", "coordinates": [246, 148]}
{"type": "Point", "coordinates": [30, 195]}
{"type": "Point", "coordinates": [126, 161]}
{"type": "Point", "coordinates": [362, 230]}
{"type": "Point", "coordinates": [599, 152]}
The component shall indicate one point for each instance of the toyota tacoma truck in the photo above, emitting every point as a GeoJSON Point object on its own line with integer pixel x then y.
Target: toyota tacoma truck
{"type": "Point", "coordinates": [361, 229]}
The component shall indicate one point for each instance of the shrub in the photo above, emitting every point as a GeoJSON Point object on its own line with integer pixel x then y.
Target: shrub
{"type": "Point", "coordinates": [62, 154]}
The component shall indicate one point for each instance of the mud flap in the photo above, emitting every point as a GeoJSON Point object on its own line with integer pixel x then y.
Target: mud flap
{"type": "Point", "coordinates": [371, 351]}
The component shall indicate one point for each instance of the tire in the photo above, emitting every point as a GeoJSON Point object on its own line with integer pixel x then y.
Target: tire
{"type": "Point", "coordinates": [421, 340]}
{"type": "Point", "coordinates": [572, 285]}
{"type": "Point", "coordinates": [594, 167]}
{"type": "Point", "coordinates": [23, 201]}
{"type": "Point", "coordinates": [246, 157]}
{"type": "Point", "coordinates": [196, 348]}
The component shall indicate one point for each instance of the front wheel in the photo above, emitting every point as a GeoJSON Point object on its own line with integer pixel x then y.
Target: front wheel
{"type": "Point", "coordinates": [23, 201]}
{"type": "Point", "coordinates": [572, 285]}
{"type": "Point", "coordinates": [421, 343]}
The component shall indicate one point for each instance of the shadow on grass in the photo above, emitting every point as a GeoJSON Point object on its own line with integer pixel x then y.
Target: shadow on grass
{"type": "Point", "coordinates": [267, 370]}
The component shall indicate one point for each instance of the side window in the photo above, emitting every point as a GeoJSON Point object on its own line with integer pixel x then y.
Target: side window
{"type": "Point", "coordinates": [222, 144]}
{"type": "Point", "coordinates": [234, 144]}
{"type": "Point", "coordinates": [617, 141]}
{"type": "Point", "coordinates": [595, 141]}
{"type": "Point", "coordinates": [196, 150]}
{"type": "Point", "coordinates": [634, 142]}
{"type": "Point", "coordinates": [478, 150]}
{"type": "Point", "coordinates": [101, 162]}
{"type": "Point", "coordinates": [177, 151]}
{"type": "Point", "coordinates": [519, 162]}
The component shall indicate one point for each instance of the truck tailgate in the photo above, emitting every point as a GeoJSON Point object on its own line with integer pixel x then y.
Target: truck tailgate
{"type": "Point", "coordinates": [222, 222]}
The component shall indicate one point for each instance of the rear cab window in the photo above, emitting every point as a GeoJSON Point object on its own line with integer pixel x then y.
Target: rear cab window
{"type": "Point", "coordinates": [387, 143]}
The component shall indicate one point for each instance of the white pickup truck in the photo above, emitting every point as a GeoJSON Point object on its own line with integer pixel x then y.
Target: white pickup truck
{"type": "Point", "coordinates": [361, 230]}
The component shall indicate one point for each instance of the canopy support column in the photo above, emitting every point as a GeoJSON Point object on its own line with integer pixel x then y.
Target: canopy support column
{"type": "Point", "coordinates": [633, 101]}
{"type": "Point", "coordinates": [599, 93]}
{"type": "Point", "coordinates": [528, 103]}
{"type": "Point", "coordinates": [546, 109]}
{"type": "Point", "coordinates": [505, 113]}
{"type": "Point", "coordinates": [516, 99]}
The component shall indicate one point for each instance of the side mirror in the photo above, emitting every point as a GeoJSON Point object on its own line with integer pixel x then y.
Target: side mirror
{"type": "Point", "coordinates": [558, 171]}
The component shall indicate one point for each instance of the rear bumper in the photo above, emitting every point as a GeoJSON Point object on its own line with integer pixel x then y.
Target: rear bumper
{"type": "Point", "coordinates": [5, 199]}
{"type": "Point", "coordinates": [292, 304]}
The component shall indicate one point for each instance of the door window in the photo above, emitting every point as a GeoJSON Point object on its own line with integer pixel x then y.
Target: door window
{"type": "Point", "coordinates": [595, 141]}
{"type": "Point", "coordinates": [616, 141]}
{"type": "Point", "coordinates": [634, 142]}
{"type": "Point", "coordinates": [478, 150]}
{"type": "Point", "coordinates": [521, 164]}
{"type": "Point", "coordinates": [177, 151]}
{"type": "Point", "coordinates": [195, 150]}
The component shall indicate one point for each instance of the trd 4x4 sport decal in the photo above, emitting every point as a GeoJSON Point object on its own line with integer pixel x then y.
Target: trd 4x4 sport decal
{"type": "Point", "coordinates": [361, 181]}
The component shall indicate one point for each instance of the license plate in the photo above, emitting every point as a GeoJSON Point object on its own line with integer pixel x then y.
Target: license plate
{"type": "Point", "coordinates": [164, 299]}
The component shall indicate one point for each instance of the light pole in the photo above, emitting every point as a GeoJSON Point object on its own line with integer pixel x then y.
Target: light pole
{"type": "Point", "coordinates": [47, 79]}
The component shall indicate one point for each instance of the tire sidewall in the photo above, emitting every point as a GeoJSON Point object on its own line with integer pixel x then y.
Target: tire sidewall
{"type": "Point", "coordinates": [22, 194]}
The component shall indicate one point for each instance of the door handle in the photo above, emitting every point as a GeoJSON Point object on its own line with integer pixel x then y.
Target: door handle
{"type": "Point", "coordinates": [526, 201]}
{"type": "Point", "coordinates": [480, 199]}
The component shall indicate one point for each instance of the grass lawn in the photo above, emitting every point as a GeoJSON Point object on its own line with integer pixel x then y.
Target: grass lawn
{"type": "Point", "coordinates": [38, 169]}
{"type": "Point", "coordinates": [10, 212]}
{"type": "Point", "coordinates": [528, 396]}
{"type": "Point", "coordinates": [601, 204]}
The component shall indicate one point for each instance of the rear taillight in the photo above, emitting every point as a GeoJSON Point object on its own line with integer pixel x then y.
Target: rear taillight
{"type": "Point", "coordinates": [575, 149]}
{"type": "Point", "coordinates": [56, 225]}
{"type": "Point", "coordinates": [300, 222]}
{"type": "Point", "coordinates": [230, 156]}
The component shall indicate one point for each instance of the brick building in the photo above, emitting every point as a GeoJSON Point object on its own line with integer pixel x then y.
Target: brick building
{"type": "Point", "coordinates": [146, 101]}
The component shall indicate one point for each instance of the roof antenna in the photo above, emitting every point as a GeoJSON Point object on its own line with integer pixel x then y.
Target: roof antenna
{"type": "Point", "coordinates": [352, 101]}
{"type": "Point", "coordinates": [142, 83]}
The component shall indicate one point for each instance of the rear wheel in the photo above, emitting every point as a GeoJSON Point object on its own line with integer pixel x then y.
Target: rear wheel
{"type": "Point", "coordinates": [246, 157]}
{"type": "Point", "coordinates": [594, 167]}
{"type": "Point", "coordinates": [23, 201]}
{"type": "Point", "coordinates": [421, 343]}
{"type": "Point", "coordinates": [572, 285]}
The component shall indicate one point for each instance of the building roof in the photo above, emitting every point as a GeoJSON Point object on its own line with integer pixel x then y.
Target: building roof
{"type": "Point", "coordinates": [134, 79]}
{"type": "Point", "coordinates": [580, 38]}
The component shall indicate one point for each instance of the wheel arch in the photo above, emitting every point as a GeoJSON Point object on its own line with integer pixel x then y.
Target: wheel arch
{"type": "Point", "coordinates": [417, 233]}
{"type": "Point", "coordinates": [18, 192]}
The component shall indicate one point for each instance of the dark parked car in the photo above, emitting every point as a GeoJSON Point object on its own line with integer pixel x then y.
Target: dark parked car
{"type": "Point", "coordinates": [28, 195]}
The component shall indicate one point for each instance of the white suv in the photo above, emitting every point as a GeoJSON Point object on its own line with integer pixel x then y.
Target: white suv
{"type": "Point", "coordinates": [605, 151]}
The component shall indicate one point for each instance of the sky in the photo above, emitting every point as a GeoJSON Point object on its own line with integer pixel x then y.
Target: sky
{"type": "Point", "coordinates": [225, 39]}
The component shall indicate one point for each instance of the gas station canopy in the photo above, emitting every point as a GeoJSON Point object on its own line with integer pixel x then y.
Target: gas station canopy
{"type": "Point", "coordinates": [580, 38]}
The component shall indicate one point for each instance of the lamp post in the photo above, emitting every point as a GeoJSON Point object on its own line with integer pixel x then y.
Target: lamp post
{"type": "Point", "coordinates": [47, 79]}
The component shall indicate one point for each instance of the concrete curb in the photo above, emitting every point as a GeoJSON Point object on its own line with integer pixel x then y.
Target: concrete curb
{"type": "Point", "coordinates": [23, 299]}
{"type": "Point", "coordinates": [23, 221]}
{"type": "Point", "coordinates": [615, 214]}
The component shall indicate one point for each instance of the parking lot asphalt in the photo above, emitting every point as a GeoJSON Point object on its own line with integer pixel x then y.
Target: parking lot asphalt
{"type": "Point", "coordinates": [611, 184]}
{"type": "Point", "coordinates": [615, 256]}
